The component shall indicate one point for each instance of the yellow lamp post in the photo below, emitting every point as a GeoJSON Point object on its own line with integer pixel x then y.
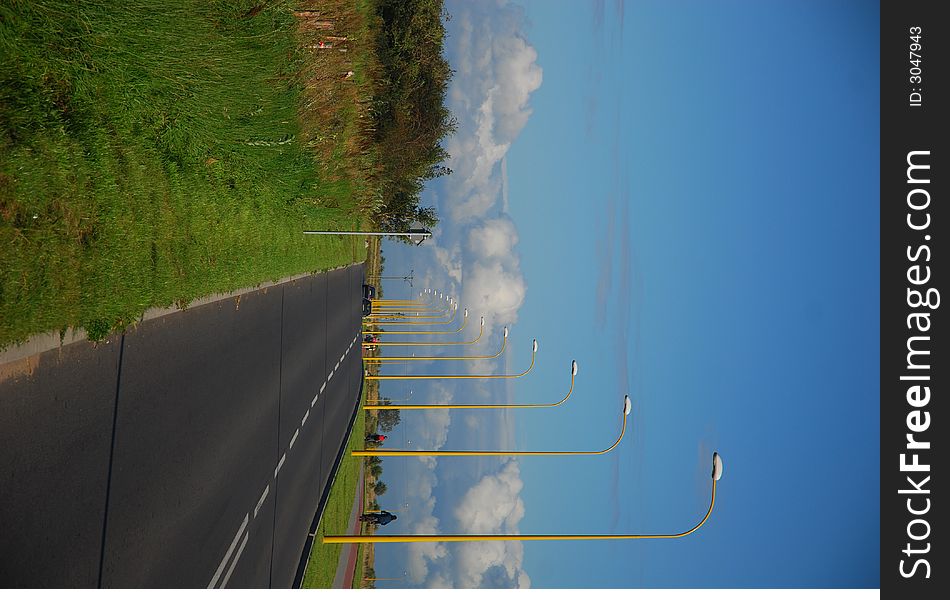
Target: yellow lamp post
{"type": "Point", "coordinates": [403, 313]}
{"type": "Point", "coordinates": [374, 359]}
{"type": "Point", "coordinates": [623, 428]}
{"type": "Point", "coordinates": [462, 326]}
{"type": "Point", "coordinates": [534, 350]}
{"type": "Point", "coordinates": [408, 319]}
{"type": "Point", "coordinates": [382, 539]}
{"type": "Point", "coordinates": [481, 329]}
{"type": "Point", "coordinates": [396, 307]}
{"type": "Point", "coordinates": [447, 406]}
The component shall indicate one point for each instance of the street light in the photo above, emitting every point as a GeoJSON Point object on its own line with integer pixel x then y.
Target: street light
{"type": "Point", "coordinates": [534, 350]}
{"type": "Point", "coordinates": [382, 539]}
{"type": "Point", "coordinates": [396, 312]}
{"type": "Point", "coordinates": [481, 329]}
{"type": "Point", "coordinates": [402, 319]}
{"type": "Point", "coordinates": [623, 428]}
{"type": "Point", "coordinates": [462, 326]}
{"type": "Point", "coordinates": [445, 406]}
{"type": "Point", "coordinates": [374, 359]}
{"type": "Point", "coordinates": [417, 235]}
{"type": "Point", "coordinates": [403, 303]}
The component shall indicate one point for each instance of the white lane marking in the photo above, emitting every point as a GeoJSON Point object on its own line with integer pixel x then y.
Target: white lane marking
{"type": "Point", "coordinates": [294, 439]}
{"type": "Point", "coordinates": [314, 401]}
{"type": "Point", "coordinates": [237, 557]}
{"type": "Point", "coordinates": [342, 356]}
{"type": "Point", "coordinates": [337, 366]}
{"type": "Point", "coordinates": [323, 386]}
{"type": "Point", "coordinates": [331, 375]}
{"type": "Point", "coordinates": [306, 416]}
{"type": "Point", "coordinates": [237, 536]}
{"type": "Point", "coordinates": [260, 502]}
{"type": "Point", "coordinates": [280, 463]}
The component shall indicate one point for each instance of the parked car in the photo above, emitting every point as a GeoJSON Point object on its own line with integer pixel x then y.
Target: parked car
{"type": "Point", "coordinates": [367, 307]}
{"type": "Point", "coordinates": [369, 292]}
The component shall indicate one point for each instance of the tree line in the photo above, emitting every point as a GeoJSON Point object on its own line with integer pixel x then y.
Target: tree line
{"type": "Point", "coordinates": [410, 115]}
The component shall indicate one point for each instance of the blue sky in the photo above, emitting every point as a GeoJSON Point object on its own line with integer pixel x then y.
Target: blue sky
{"type": "Point", "coordinates": [685, 200]}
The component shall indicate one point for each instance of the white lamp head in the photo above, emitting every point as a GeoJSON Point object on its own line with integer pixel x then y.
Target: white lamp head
{"type": "Point", "coordinates": [717, 467]}
{"type": "Point", "coordinates": [465, 313]}
{"type": "Point", "coordinates": [627, 405]}
{"type": "Point", "coordinates": [505, 331]}
{"type": "Point", "coordinates": [573, 368]}
{"type": "Point", "coordinates": [534, 346]}
{"type": "Point", "coordinates": [481, 321]}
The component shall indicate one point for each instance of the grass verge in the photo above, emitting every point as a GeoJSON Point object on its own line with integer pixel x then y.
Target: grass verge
{"type": "Point", "coordinates": [152, 154]}
{"type": "Point", "coordinates": [336, 514]}
{"type": "Point", "coordinates": [324, 558]}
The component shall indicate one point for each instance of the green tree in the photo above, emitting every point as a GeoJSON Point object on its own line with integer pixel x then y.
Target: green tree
{"type": "Point", "coordinates": [379, 488]}
{"type": "Point", "coordinates": [411, 118]}
{"type": "Point", "coordinates": [388, 419]}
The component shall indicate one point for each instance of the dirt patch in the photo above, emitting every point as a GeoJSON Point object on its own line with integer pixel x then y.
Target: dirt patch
{"type": "Point", "coordinates": [19, 368]}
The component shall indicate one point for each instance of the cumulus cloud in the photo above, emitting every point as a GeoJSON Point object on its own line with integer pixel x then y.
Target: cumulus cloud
{"type": "Point", "coordinates": [493, 505]}
{"type": "Point", "coordinates": [494, 239]}
{"type": "Point", "coordinates": [497, 71]}
{"type": "Point", "coordinates": [495, 290]}
{"type": "Point", "coordinates": [419, 513]}
{"type": "Point", "coordinates": [473, 257]}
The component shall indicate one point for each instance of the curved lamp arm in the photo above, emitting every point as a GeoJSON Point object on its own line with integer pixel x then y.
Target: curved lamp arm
{"type": "Point", "coordinates": [377, 539]}
{"type": "Point", "coordinates": [481, 330]}
{"type": "Point", "coordinates": [522, 374]}
{"type": "Point", "coordinates": [623, 429]}
{"type": "Point", "coordinates": [451, 317]}
{"type": "Point", "coordinates": [374, 359]}
{"type": "Point", "coordinates": [462, 326]}
{"type": "Point", "coordinates": [444, 406]}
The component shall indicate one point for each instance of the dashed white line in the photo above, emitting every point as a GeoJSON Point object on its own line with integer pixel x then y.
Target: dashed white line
{"type": "Point", "coordinates": [260, 502]}
{"type": "Point", "coordinates": [294, 439]}
{"type": "Point", "coordinates": [237, 557]}
{"type": "Point", "coordinates": [314, 401]}
{"type": "Point", "coordinates": [323, 386]}
{"type": "Point", "coordinates": [306, 416]}
{"type": "Point", "coordinates": [237, 536]}
{"type": "Point", "coordinates": [280, 463]}
{"type": "Point", "coordinates": [331, 375]}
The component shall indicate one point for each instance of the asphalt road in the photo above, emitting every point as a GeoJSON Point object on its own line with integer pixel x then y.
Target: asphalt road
{"type": "Point", "coordinates": [190, 452]}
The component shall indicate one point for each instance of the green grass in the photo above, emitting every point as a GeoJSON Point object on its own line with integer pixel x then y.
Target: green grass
{"type": "Point", "coordinates": [151, 154]}
{"type": "Point", "coordinates": [336, 515]}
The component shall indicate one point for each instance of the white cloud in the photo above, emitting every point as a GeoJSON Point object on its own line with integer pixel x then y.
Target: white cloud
{"type": "Point", "coordinates": [493, 505]}
{"type": "Point", "coordinates": [496, 290]}
{"type": "Point", "coordinates": [497, 71]}
{"type": "Point", "coordinates": [494, 239]}
{"type": "Point", "coordinates": [473, 256]}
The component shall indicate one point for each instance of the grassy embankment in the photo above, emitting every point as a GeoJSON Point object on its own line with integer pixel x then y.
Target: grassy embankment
{"type": "Point", "coordinates": [324, 558]}
{"type": "Point", "coordinates": [336, 514]}
{"type": "Point", "coordinates": [152, 154]}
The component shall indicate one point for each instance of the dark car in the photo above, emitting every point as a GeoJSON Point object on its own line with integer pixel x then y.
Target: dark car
{"type": "Point", "coordinates": [369, 292]}
{"type": "Point", "coordinates": [367, 307]}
